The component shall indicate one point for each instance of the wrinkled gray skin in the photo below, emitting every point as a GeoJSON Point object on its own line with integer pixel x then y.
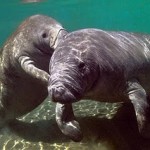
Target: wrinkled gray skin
{"type": "Point", "coordinates": [103, 66]}
{"type": "Point", "coordinates": [24, 64]}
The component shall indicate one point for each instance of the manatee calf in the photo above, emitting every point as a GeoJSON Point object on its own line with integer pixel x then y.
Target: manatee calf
{"type": "Point", "coordinates": [24, 63]}
{"type": "Point", "coordinates": [105, 66]}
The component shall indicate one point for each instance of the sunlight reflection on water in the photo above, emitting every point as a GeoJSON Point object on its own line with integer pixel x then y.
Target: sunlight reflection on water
{"type": "Point", "coordinates": [40, 132]}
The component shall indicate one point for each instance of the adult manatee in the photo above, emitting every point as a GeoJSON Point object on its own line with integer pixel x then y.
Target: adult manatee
{"type": "Point", "coordinates": [104, 66]}
{"type": "Point", "coordinates": [24, 63]}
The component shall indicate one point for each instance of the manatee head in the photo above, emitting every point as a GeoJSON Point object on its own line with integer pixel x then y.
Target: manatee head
{"type": "Point", "coordinates": [35, 40]}
{"type": "Point", "coordinates": [73, 73]}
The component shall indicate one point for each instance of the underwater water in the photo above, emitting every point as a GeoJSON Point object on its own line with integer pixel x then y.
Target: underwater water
{"type": "Point", "coordinates": [102, 129]}
{"type": "Point", "coordinates": [102, 126]}
{"type": "Point", "coordinates": [38, 130]}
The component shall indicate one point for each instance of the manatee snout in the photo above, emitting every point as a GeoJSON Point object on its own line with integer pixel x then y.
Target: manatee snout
{"type": "Point", "coordinates": [56, 93]}
{"type": "Point", "coordinates": [61, 94]}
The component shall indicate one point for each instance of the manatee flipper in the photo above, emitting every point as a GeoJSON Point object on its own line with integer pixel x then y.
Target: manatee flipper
{"type": "Point", "coordinates": [67, 123]}
{"type": "Point", "coordinates": [28, 66]}
{"type": "Point", "coordinates": [141, 105]}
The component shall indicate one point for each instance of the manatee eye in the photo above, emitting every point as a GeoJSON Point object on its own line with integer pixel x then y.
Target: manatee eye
{"type": "Point", "coordinates": [81, 65]}
{"type": "Point", "coordinates": [44, 35]}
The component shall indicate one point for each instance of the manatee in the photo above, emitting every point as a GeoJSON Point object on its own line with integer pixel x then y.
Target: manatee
{"type": "Point", "coordinates": [24, 66]}
{"type": "Point", "coordinates": [105, 66]}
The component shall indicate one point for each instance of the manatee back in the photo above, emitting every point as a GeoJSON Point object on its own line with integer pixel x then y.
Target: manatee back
{"type": "Point", "coordinates": [113, 50]}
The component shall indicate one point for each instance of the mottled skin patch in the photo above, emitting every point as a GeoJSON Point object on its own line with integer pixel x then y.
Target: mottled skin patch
{"type": "Point", "coordinates": [103, 66]}
{"type": "Point", "coordinates": [24, 62]}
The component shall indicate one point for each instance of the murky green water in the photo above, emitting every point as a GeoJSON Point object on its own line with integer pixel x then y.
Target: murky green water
{"type": "Point", "coordinates": [102, 131]}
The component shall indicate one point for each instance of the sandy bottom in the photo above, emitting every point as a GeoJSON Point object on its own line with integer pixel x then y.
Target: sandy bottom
{"type": "Point", "coordinates": [103, 129]}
